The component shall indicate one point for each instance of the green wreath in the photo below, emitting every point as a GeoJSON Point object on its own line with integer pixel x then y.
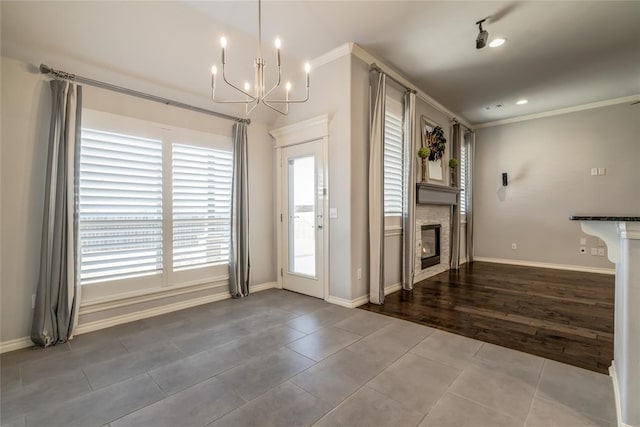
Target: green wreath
{"type": "Point", "coordinates": [436, 142]}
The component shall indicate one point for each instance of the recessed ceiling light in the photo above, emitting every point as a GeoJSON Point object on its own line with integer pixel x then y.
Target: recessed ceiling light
{"type": "Point", "coordinates": [522, 101]}
{"type": "Point", "coordinates": [497, 42]}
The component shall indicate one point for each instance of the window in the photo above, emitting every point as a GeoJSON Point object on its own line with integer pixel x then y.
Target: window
{"type": "Point", "coordinates": [201, 206]}
{"type": "Point", "coordinates": [120, 206]}
{"type": "Point", "coordinates": [463, 178]}
{"type": "Point", "coordinates": [154, 205]}
{"type": "Point", "coordinates": [393, 147]}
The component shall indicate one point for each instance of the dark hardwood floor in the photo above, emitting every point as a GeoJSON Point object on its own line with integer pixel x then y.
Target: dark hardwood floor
{"type": "Point", "coordinates": [561, 315]}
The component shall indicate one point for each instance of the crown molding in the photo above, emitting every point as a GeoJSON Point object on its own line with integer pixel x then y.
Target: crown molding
{"type": "Point", "coordinates": [360, 53]}
{"type": "Point", "coordinates": [574, 109]}
{"type": "Point", "coordinates": [368, 58]}
{"type": "Point", "coordinates": [332, 55]}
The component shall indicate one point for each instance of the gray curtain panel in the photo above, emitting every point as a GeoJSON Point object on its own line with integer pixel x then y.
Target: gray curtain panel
{"type": "Point", "coordinates": [409, 193]}
{"type": "Point", "coordinates": [57, 295]}
{"type": "Point", "coordinates": [239, 262]}
{"type": "Point", "coordinates": [470, 140]}
{"type": "Point", "coordinates": [376, 189]}
{"type": "Point", "coordinates": [456, 141]}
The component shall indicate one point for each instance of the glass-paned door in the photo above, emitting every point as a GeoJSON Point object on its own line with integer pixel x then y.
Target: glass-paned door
{"type": "Point", "coordinates": [303, 218]}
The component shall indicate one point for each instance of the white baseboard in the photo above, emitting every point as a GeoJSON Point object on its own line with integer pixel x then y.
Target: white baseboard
{"type": "Point", "coordinates": [352, 303]}
{"type": "Point", "coordinates": [96, 325]}
{"type": "Point", "coordinates": [616, 393]}
{"type": "Point", "coordinates": [547, 265]}
{"type": "Point", "coordinates": [392, 288]}
{"type": "Point", "coordinates": [133, 298]}
{"type": "Point", "coordinates": [349, 303]}
{"type": "Point", "coordinates": [15, 344]}
{"type": "Point", "coordinates": [84, 328]}
{"type": "Point", "coordinates": [263, 286]}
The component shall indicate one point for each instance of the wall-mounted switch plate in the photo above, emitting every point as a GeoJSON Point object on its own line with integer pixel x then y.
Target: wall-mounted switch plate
{"type": "Point", "coordinates": [594, 251]}
{"type": "Point", "coordinates": [333, 212]}
{"type": "Point", "coordinates": [594, 171]}
{"type": "Point", "coordinates": [601, 252]}
{"type": "Point", "coordinates": [33, 301]}
{"type": "Point", "coordinates": [602, 171]}
{"type": "Point", "coordinates": [514, 246]}
{"type": "Point", "coordinates": [359, 273]}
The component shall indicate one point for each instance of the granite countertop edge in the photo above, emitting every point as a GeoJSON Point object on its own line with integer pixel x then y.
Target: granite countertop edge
{"type": "Point", "coordinates": [603, 218]}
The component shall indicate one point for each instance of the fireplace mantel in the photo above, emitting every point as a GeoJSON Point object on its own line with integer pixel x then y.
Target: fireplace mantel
{"type": "Point", "coordinates": [431, 194]}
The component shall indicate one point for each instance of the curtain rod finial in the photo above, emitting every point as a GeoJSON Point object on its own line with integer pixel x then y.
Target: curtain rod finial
{"type": "Point", "coordinates": [45, 69]}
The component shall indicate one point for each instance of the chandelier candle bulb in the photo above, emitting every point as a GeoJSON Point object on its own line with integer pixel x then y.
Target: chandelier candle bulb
{"type": "Point", "coordinates": [307, 69]}
{"type": "Point", "coordinates": [278, 44]}
{"type": "Point", "coordinates": [223, 43]}
{"type": "Point", "coordinates": [214, 71]}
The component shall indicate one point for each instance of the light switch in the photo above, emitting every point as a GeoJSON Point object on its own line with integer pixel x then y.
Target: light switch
{"type": "Point", "coordinates": [333, 212]}
{"type": "Point", "coordinates": [594, 171]}
{"type": "Point", "coordinates": [602, 171]}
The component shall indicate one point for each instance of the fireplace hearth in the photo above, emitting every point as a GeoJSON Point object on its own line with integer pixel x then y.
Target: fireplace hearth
{"type": "Point", "coordinates": [430, 244]}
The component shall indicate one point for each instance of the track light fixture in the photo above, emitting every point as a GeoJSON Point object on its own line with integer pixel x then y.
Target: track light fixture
{"type": "Point", "coordinates": [483, 35]}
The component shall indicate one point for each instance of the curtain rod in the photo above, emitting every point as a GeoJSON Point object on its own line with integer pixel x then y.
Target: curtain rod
{"type": "Point", "coordinates": [374, 67]}
{"type": "Point", "coordinates": [45, 69]}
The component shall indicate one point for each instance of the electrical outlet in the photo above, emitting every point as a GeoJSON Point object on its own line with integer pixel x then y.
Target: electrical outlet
{"type": "Point", "coordinates": [594, 171]}
{"type": "Point", "coordinates": [359, 273]}
{"type": "Point", "coordinates": [594, 251]}
{"type": "Point", "coordinates": [601, 251]}
{"type": "Point", "coordinates": [583, 241]}
{"type": "Point", "coordinates": [583, 250]}
{"type": "Point", "coordinates": [514, 246]}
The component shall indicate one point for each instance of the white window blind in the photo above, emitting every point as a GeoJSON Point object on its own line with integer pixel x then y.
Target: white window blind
{"type": "Point", "coordinates": [120, 206]}
{"type": "Point", "coordinates": [393, 130]}
{"type": "Point", "coordinates": [201, 206]}
{"type": "Point", "coordinates": [463, 178]}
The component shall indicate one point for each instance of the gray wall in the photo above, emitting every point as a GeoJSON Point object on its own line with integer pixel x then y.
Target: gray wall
{"type": "Point", "coordinates": [549, 163]}
{"type": "Point", "coordinates": [359, 165]}
{"type": "Point", "coordinates": [330, 95]}
{"type": "Point", "coordinates": [25, 119]}
{"type": "Point", "coordinates": [360, 177]}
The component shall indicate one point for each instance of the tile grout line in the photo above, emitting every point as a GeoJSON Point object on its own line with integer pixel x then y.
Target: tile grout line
{"type": "Point", "coordinates": [535, 393]}
{"type": "Point", "coordinates": [484, 405]}
{"type": "Point", "coordinates": [371, 379]}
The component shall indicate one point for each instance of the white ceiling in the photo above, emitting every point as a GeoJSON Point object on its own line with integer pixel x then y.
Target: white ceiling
{"type": "Point", "coordinates": [558, 54]}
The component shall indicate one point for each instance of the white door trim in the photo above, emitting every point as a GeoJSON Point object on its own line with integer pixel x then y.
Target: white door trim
{"type": "Point", "coordinates": [315, 129]}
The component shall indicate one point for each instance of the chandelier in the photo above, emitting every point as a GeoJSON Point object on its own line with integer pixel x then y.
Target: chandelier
{"type": "Point", "coordinates": [259, 94]}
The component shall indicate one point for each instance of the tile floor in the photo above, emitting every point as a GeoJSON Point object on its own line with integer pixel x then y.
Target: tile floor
{"type": "Point", "coordinates": [282, 359]}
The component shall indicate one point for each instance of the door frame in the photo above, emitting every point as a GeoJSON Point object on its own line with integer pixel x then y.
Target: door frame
{"type": "Point", "coordinates": [311, 130]}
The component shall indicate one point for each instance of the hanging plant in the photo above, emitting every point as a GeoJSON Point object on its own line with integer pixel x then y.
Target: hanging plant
{"type": "Point", "coordinates": [436, 142]}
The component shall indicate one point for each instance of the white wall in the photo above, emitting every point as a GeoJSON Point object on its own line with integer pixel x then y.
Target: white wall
{"type": "Point", "coordinates": [330, 95]}
{"type": "Point", "coordinates": [548, 162]}
{"type": "Point", "coordinates": [25, 120]}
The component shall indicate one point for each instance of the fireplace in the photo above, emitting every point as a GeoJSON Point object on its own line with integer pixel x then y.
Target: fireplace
{"type": "Point", "coordinates": [430, 244]}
